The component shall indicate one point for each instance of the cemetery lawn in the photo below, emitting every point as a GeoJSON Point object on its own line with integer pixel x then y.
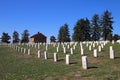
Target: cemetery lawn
{"type": "Point", "coordinates": [18, 66]}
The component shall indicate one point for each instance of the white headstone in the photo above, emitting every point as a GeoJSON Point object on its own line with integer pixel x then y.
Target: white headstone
{"type": "Point", "coordinates": [99, 48]}
{"type": "Point", "coordinates": [112, 55]}
{"type": "Point", "coordinates": [21, 50]}
{"type": "Point", "coordinates": [28, 51]}
{"type": "Point", "coordinates": [39, 54]}
{"type": "Point", "coordinates": [71, 50]}
{"type": "Point", "coordinates": [68, 46]}
{"type": "Point", "coordinates": [24, 50]}
{"type": "Point", "coordinates": [113, 41]}
{"type": "Point", "coordinates": [90, 48]}
{"type": "Point", "coordinates": [57, 49]}
{"type": "Point", "coordinates": [64, 49]}
{"type": "Point", "coordinates": [84, 62]}
{"type": "Point", "coordinates": [74, 46]}
{"type": "Point", "coordinates": [95, 53]}
{"type": "Point", "coordinates": [82, 51]}
{"type": "Point", "coordinates": [38, 46]}
{"type": "Point", "coordinates": [93, 44]}
{"type": "Point", "coordinates": [45, 55]}
{"type": "Point", "coordinates": [67, 59]}
{"type": "Point", "coordinates": [55, 57]}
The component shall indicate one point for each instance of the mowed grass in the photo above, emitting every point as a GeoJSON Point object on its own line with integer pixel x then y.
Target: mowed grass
{"type": "Point", "coordinates": [19, 66]}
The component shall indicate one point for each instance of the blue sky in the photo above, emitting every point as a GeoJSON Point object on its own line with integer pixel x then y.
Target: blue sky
{"type": "Point", "coordinates": [47, 16]}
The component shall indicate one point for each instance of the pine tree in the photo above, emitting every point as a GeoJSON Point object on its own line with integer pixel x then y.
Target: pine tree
{"type": "Point", "coordinates": [15, 37]}
{"type": "Point", "coordinates": [63, 35]}
{"type": "Point", "coordinates": [78, 30]}
{"type": "Point", "coordinates": [25, 36]}
{"type": "Point", "coordinates": [106, 23]}
{"type": "Point", "coordinates": [87, 30]}
{"type": "Point", "coordinates": [116, 37]}
{"type": "Point", "coordinates": [5, 37]}
{"type": "Point", "coordinates": [95, 28]}
{"type": "Point", "coordinates": [52, 39]}
{"type": "Point", "coordinates": [82, 30]}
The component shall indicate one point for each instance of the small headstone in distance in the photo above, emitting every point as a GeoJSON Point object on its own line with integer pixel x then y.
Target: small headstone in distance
{"type": "Point", "coordinates": [71, 50]}
{"type": "Point", "coordinates": [28, 51]}
{"type": "Point", "coordinates": [55, 57]}
{"type": "Point", "coordinates": [64, 49]}
{"type": "Point", "coordinates": [95, 53]}
{"type": "Point", "coordinates": [45, 55]}
{"type": "Point", "coordinates": [39, 54]}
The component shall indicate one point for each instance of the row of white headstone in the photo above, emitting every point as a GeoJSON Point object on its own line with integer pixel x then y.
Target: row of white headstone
{"type": "Point", "coordinates": [95, 50]}
{"type": "Point", "coordinates": [84, 58]}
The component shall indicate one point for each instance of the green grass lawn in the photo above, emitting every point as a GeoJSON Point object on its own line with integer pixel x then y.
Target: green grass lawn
{"type": "Point", "coordinates": [19, 66]}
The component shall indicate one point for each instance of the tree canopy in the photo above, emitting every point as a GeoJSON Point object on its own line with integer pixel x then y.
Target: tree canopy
{"type": "Point", "coordinates": [95, 28]}
{"type": "Point", "coordinates": [106, 24]}
{"type": "Point", "coordinates": [52, 39]}
{"type": "Point", "coordinates": [15, 37]}
{"type": "Point", "coordinates": [5, 37]}
{"type": "Point", "coordinates": [63, 35]}
{"type": "Point", "coordinates": [82, 30]}
{"type": "Point", "coordinates": [25, 36]}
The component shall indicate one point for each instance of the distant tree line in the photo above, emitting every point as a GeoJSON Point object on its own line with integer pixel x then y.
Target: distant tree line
{"type": "Point", "coordinates": [15, 37]}
{"type": "Point", "coordinates": [100, 27]}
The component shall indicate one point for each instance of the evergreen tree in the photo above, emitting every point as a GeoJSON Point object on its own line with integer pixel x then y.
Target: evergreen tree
{"type": "Point", "coordinates": [60, 34]}
{"type": "Point", "coordinates": [106, 23]}
{"type": "Point", "coordinates": [52, 39]}
{"type": "Point", "coordinates": [64, 35]}
{"type": "Point", "coordinates": [15, 37]}
{"type": "Point", "coordinates": [116, 37]}
{"type": "Point", "coordinates": [87, 30]}
{"type": "Point", "coordinates": [82, 30]}
{"type": "Point", "coordinates": [78, 34]}
{"type": "Point", "coordinates": [95, 28]}
{"type": "Point", "coordinates": [5, 37]}
{"type": "Point", "coordinates": [25, 36]}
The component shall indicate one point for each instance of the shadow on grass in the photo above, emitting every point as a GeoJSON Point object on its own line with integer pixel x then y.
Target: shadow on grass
{"type": "Point", "coordinates": [73, 62]}
{"type": "Point", "coordinates": [50, 58]}
{"type": "Point", "coordinates": [117, 57]}
{"type": "Point", "coordinates": [92, 67]}
{"type": "Point", "coordinates": [59, 60]}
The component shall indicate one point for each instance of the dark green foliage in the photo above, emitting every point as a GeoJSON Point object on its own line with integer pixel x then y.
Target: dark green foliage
{"type": "Point", "coordinates": [87, 30]}
{"type": "Point", "coordinates": [25, 37]}
{"type": "Point", "coordinates": [64, 35]}
{"type": "Point", "coordinates": [5, 37]}
{"type": "Point", "coordinates": [106, 23]}
{"type": "Point", "coordinates": [52, 39]}
{"type": "Point", "coordinates": [116, 37]}
{"type": "Point", "coordinates": [15, 37]}
{"type": "Point", "coordinates": [95, 28]}
{"type": "Point", "coordinates": [82, 30]}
